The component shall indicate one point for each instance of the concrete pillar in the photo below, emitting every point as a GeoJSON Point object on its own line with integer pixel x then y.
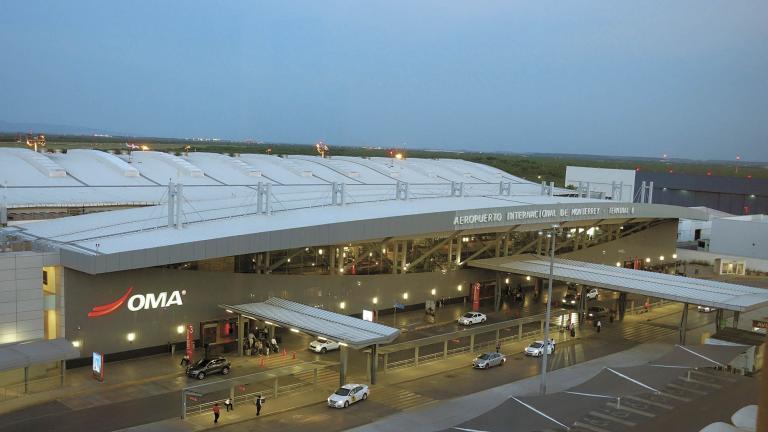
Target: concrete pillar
{"type": "Point", "coordinates": [277, 387]}
{"type": "Point", "coordinates": [404, 256]}
{"type": "Point", "coordinates": [232, 394]}
{"type": "Point", "coordinates": [445, 348]}
{"type": "Point", "coordinates": [718, 320]}
{"type": "Point", "coordinates": [26, 379]}
{"type": "Point", "coordinates": [736, 319]}
{"type": "Point", "coordinates": [497, 336]}
{"type": "Point", "coordinates": [271, 332]}
{"type": "Point", "coordinates": [63, 371]}
{"type": "Point", "coordinates": [183, 404]}
{"type": "Point", "coordinates": [683, 323]}
{"type": "Point", "coordinates": [395, 256]}
{"type": "Point", "coordinates": [374, 363]}
{"type": "Point", "coordinates": [332, 259]}
{"type": "Point", "coordinates": [520, 332]}
{"type": "Point", "coordinates": [459, 244]}
{"type": "Point", "coordinates": [343, 357]}
{"type": "Point", "coordinates": [471, 343]}
{"type": "Point", "coordinates": [581, 305]}
{"type": "Point", "coordinates": [497, 292]}
{"type": "Point", "coordinates": [240, 335]}
{"type": "Point", "coordinates": [386, 361]}
{"type": "Point", "coordinates": [622, 305]}
{"type": "Point", "coordinates": [416, 356]}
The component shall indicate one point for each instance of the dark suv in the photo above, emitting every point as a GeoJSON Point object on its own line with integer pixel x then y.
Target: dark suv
{"type": "Point", "coordinates": [208, 366]}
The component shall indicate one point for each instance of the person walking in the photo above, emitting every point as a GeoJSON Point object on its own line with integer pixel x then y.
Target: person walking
{"type": "Point", "coordinates": [599, 325]}
{"type": "Point", "coordinates": [498, 346]}
{"type": "Point", "coordinates": [216, 412]}
{"type": "Point", "coordinates": [184, 360]}
{"type": "Point", "coordinates": [259, 401]}
{"type": "Point", "coordinates": [228, 405]}
{"type": "Point", "coordinates": [573, 331]}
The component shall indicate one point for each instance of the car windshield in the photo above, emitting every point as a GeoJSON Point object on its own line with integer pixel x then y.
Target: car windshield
{"type": "Point", "coordinates": [485, 356]}
{"type": "Point", "coordinates": [342, 392]}
{"type": "Point", "coordinates": [468, 315]}
{"type": "Point", "coordinates": [202, 362]}
{"type": "Point", "coordinates": [536, 345]}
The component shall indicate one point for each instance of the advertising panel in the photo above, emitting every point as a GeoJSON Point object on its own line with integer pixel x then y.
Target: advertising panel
{"type": "Point", "coordinates": [98, 366]}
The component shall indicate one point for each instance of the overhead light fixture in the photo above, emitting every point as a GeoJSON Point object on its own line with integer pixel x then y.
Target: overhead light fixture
{"type": "Point", "coordinates": [180, 329]}
{"type": "Point", "coordinates": [342, 305]}
{"type": "Point", "coordinates": [295, 330]}
{"type": "Point", "coordinates": [459, 287]}
{"type": "Point", "coordinates": [131, 336]}
{"type": "Point", "coordinates": [375, 300]}
{"type": "Point", "coordinates": [76, 344]}
{"type": "Point", "coordinates": [674, 256]}
{"type": "Point", "coordinates": [268, 323]}
{"type": "Point", "coordinates": [228, 311]}
{"type": "Point", "coordinates": [618, 264]}
{"type": "Point", "coordinates": [405, 296]}
{"type": "Point", "coordinates": [434, 291]}
{"type": "Point", "coordinates": [647, 260]}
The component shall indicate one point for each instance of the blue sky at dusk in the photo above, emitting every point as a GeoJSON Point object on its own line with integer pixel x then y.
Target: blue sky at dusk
{"type": "Point", "coordinates": [686, 78]}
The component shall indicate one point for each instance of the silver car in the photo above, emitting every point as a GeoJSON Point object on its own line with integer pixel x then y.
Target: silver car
{"type": "Point", "coordinates": [489, 360]}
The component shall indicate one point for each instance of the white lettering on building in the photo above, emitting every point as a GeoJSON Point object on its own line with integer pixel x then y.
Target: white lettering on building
{"type": "Point", "coordinates": [153, 301]}
{"type": "Point", "coordinates": [541, 213]}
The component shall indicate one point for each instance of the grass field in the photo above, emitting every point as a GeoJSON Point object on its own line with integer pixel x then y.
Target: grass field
{"type": "Point", "coordinates": [534, 167]}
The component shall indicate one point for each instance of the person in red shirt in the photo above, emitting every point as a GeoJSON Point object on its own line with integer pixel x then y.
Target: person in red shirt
{"type": "Point", "coordinates": [216, 411]}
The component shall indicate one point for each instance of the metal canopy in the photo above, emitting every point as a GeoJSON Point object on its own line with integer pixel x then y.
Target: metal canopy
{"type": "Point", "coordinates": [354, 332]}
{"type": "Point", "coordinates": [25, 354]}
{"type": "Point", "coordinates": [721, 295]}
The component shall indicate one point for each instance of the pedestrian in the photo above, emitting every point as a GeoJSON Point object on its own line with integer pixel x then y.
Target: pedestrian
{"type": "Point", "coordinates": [259, 401]}
{"type": "Point", "coordinates": [216, 411]}
{"type": "Point", "coordinates": [599, 326]}
{"type": "Point", "coordinates": [228, 405]}
{"type": "Point", "coordinates": [498, 346]}
{"type": "Point", "coordinates": [573, 331]}
{"type": "Point", "coordinates": [184, 360]}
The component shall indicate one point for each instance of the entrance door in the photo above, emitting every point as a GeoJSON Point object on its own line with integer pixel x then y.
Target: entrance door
{"type": "Point", "coordinates": [208, 335]}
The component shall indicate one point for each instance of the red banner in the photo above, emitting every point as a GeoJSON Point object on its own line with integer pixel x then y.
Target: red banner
{"type": "Point", "coordinates": [190, 341]}
{"type": "Point", "coordinates": [476, 296]}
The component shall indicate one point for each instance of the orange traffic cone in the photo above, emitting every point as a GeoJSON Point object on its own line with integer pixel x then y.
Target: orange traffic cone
{"type": "Point", "coordinates": [285, 352]}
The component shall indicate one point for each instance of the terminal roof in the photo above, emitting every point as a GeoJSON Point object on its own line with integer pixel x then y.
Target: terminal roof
{"type": "Point", "coordinates": [25, 354]}
{"type": "Point", "coordinates": [660, 285]}
{"type": "Point", "coordinates": [354, 332]}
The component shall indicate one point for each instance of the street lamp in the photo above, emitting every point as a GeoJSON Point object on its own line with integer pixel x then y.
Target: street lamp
{"type": "Point", "coordinates": [548, 316]}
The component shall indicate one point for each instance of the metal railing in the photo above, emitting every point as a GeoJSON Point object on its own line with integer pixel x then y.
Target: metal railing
{"type": "Point", "coordinates": [17, 390]}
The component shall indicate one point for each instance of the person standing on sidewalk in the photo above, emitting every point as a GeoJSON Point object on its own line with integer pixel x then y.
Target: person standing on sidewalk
{"type": "Point", "coordinates": [228, 405]}
{"type": "Point", "coordinates": [216, 412]}
{"type": "Point", "coordinates": [259, 401]}
{"type": "Point", "coordinates": [498, 346]}
{"type": "Point", "coordinates": [185, 360]}
{"type": "Point", "coordinates": [599, 325]}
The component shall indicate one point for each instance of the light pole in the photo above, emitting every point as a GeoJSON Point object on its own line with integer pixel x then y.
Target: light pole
{"type": "Point", "coordinates": [547, 318]}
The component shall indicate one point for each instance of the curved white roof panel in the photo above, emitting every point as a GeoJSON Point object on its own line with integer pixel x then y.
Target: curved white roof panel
{"type": "Point", "coordinates": [669, 287]}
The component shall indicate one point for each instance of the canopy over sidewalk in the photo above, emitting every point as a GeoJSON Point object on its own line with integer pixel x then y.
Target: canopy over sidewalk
{"type": "Point", "coordinates": [696, 356]}
{"type": "Point", "coordinates": [25, 354]}
{"type": "Point", "coordinates": [353, 332]}
{"type": "Point", "coordinates": [721, 295]}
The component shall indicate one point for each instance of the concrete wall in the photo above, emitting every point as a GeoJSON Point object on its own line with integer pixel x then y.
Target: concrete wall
{"type": "Point", "coordinates": [204, 291]}
{"type": "Point", "coordinates": [21, 294]}
{"type": "Point", "coordinates": [740, 237]}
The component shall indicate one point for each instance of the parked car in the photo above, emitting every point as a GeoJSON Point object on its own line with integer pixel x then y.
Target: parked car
{"type": "Point", "coordinates": [323, 345]}
{"type": "Point", "coordinates": [569, 300]}
{"type": "Point", "coordinates": [348, 394]}
{"type": "Point", "coordinates": [489, 360]}
{"type": "Point", "coordinates": [470, 318]}
{"type": "Point", "coordinates": [205, 367]}
{"type": "Point", "coordinates": [596, 312]}
{"type": "Point", "coordinates": [592, 294]}
{"type": "Point", "coordinates": [706, 309]}
{"type": "Point", "coordinates": [536, 349]}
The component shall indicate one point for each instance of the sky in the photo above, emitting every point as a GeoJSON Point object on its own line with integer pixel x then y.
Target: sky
{"type": "Point", "coordinates": [687, 78]}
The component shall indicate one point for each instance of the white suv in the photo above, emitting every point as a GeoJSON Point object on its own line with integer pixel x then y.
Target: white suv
{"type": "Point", "coordinates": [536, 349]}
{"type": "Point", "coordinates": [322, 345]}
{"type": "Point", "coordinates": [470, 318]}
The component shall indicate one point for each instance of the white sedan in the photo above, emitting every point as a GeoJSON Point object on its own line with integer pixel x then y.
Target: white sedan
{"type": "Point", "coordinates": [592, 294]}
{"type": "Point", "coordinates": [536, 349]}
{"type": "Point", "coordinates": [348, 394]}
{"type": "Point", "coordinates": [322, 345]}
{"type": "Point", "coordinates": [706, 309]}
{"type": "Point", "coordinates": [470, 318]}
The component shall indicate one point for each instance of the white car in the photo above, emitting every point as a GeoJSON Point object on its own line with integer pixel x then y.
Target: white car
{"type": "Point", "coordinates": [348, 394]}
{"type": "Point", "coordinates": [536, 349]}
{"type": "Point", "coordinates": [706, 309]}
{"type": "Point", "coordinates": [322, 345]}
{"type": "Point", "coordinates": [592, 294]}
{"type": "Point", "coordinates": [470, 318]}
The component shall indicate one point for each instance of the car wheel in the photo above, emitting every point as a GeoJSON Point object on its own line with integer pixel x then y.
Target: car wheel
{"type": "Point", "coordinates": [323, 350]}
{"type": "Point", "coordinates": [346, 404]}
{"type": "Point", "coordinates": [482, 320]}
{"type": "Point", "coordinates": [201, 375]}
{"type": "Point", "coordinates": [225, 371]}
{"type": "Point", "coordinates": [503, 361]}
{"type": "Point", "coordinates": [365, 396]}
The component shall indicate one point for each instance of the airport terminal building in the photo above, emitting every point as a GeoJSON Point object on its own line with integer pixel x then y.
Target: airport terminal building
{"type": "Point", "coordinates": [153, 243]}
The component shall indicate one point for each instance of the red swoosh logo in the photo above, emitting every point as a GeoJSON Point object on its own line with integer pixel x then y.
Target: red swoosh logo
{"type": "Point", "coordinates": [102, 310]}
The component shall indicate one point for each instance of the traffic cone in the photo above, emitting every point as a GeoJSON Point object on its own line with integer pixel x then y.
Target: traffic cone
{"type": "Point", "coordinates": [294, 355]}
{"type": "Point", "coordinates": [261, 363]}
{"type": "Point", "coordinates": [285, 352]}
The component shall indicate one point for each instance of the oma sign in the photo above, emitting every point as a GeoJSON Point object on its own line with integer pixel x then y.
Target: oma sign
{"type": "Point", "coordinates": [154, 301]}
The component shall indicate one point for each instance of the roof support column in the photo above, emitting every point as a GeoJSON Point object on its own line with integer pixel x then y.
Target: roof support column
{"type": "Point", "coordinates": [736, 319]}
{"type": "Point", "coordinates": [374, 362]}
{"type": "Point", "coordinates": [240, 331]}
{"type": "Point", "coordinates": [683, 323]}
{"type": "Point", "coordinates": [343, 358]}
{"type": "Point", "coordinates": [497, 292]}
